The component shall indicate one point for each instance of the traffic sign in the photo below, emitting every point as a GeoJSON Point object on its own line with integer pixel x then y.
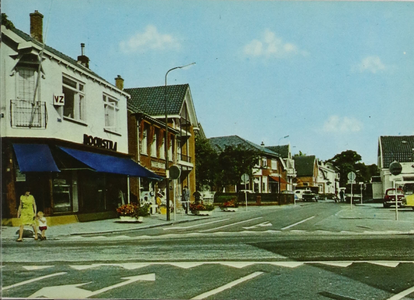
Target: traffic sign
{"type": "Point", "coordinates": [175, 172]}
{"type": "Point", "coordinates": [395, 168]}
{"type": "Point", "coordinates": [245, 178]}
{"type": "Point", "coordinates": [351, 176]}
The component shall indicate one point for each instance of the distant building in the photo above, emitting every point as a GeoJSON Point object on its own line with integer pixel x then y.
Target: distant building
{"type": "Point", "coordinates": [307, 172]}
{"type": "Point", "coordinates": [269, 175]}
{"type": "Point", "coordinates": [328, 178]}
{"type": "Point", "coordinates": [286, 154]}
{"type": "Point", "coordinates": [395, 148]}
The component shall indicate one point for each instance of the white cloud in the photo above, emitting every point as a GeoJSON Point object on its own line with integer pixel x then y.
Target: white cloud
{"type": "Point", "coordinates": [150, 39]}
{"type": "Point", "coordinates": [338, 124]}
{"type": "Point", "coordinates": [270, 46]}
{"type": "Point", "coordinates": [371, 64]}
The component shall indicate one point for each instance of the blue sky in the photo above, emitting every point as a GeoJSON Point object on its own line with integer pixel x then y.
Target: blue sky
{"type": "Point", "coordinates": [332, 76]}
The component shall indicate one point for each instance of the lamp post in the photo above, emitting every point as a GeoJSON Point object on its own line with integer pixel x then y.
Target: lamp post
{"type": "Point", "coordinates": [283, 137]}
{"type": "Point", "coordinates": [167, 175]}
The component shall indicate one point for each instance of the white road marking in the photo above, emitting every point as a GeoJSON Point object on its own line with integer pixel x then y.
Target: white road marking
{"type": "Point", "coordinates": [390, 264]}
{"type": "Point", "coordinates": [228, 286]}
{"type": "Point", "coordinates": [32, 268]}
{"type": "Point", "coordinates": [264, 224]}
{"type": "Point", "coordinates": [32, 280]}
{"type": "Point", "coordinates": [287, 227]}
{"type": "Point", "coordinates": [215, 228]}
{"type": "Point", "coordinates": [198, 225]}
{"type": "Point", "coordinates": [342, 264]}
{"type": "Point", "coordinates": [402, 294]}
{"type": "Point", "coordinates": [72, 291]}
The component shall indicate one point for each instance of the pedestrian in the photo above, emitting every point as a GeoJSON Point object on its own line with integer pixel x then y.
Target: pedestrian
{"type": "Point", "coordinates": [342, 195]}
{"type": "Point", "coordinates": [185, 197]}
{"type": "Point", "coordinates": [42, 225]}
{"type": "Point", "coordinates": [27, 213]}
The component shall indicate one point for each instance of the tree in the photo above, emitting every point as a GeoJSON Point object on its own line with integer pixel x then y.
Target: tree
{"type": "Point", "coordinates": [350, 161]}
{"type": "Point", "coordinates": [217, 168]}
{"type": "Point", "coordinates": [206, 163]}
{"type": "Point", "coordinates": [233, 162]}
{"type": "Point", "coordinates": [6, 22]}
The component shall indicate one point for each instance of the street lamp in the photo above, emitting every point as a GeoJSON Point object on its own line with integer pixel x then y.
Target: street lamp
{"type": "Point", "coordinates": [283, 137]}
{"type": "Point", "coordinates": [167, 175]}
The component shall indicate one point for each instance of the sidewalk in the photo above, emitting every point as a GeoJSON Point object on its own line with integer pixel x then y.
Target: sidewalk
{"type": "Point", "coordinates": [103, 226]}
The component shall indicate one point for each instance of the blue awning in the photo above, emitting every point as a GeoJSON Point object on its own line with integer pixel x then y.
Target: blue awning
{"type": "Point", "coordinates": [34, 158]}
{"type": "Point", "coordinates": [111, 164]}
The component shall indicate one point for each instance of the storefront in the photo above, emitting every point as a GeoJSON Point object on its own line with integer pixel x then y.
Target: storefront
{"type": "Point", "coordinates": [67, 178]}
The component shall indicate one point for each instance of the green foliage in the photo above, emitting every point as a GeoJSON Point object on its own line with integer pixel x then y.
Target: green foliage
{"type": "Point", "coordinates": [233, 162]}
{"type": "Point", "coordinates": [6, 22]}
{"type": "Point", "coordinates": [350, 161]}
{"type": "Point", "coordinates": [218, 169]}
{"type": "Point", "coordinates": [206, 163]}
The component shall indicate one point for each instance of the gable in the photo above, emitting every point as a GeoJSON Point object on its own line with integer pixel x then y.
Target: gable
{"type": "Point", "coordinates": [304, 165]}
{"type": "Point", "coordinates": [399, 148]}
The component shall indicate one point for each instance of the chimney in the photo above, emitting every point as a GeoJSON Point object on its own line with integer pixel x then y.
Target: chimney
{"type": "Point", "coordinates": [83, 59]}
{"type": "Point", "coordinates": [36, 26]}
{"type": "Point", "coordinates": [119, 82]}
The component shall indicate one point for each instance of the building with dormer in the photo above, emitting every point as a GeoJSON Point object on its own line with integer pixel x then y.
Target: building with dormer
{"type": "Point", "coordinates": [63, 128]}
{"type": "Point", "coordinates": [147, 105]}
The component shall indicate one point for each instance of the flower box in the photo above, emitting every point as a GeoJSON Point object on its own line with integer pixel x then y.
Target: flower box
{"type": "Point", "coordinates": [202, 212]}
{"type": "Point", "coordinates": [129, 219]}
{"type": "Point", "coordinates": [229, 208]}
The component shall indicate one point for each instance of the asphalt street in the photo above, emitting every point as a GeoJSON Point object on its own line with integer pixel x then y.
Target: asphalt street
{"type": "Point", "coordinates": [308, 251]}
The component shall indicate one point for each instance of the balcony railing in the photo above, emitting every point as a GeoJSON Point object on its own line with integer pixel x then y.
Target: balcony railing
{"type": "Point", "coordinates": [25, 114]}
{"type": "Point", "coordinates": [184, 157]}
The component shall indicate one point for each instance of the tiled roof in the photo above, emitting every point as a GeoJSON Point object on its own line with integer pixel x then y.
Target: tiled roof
{"type": "Point", "coordinates": [151, 100]}
{"type": "Point", "coordinates": [220, 143]}
{"type": "Point", "coordinates": [59, 54]}
{"type": "Point", "coordinates": [283, 150]}
{"type": "Point", "coordinates": [399, 148]}
{"type": "Point", "coordinates": [304, 165]}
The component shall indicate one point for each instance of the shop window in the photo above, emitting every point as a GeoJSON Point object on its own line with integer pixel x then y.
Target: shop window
{"type": "Point", "coordinates": [111, 113]}
{"type": "Point", "coordinates": [74, 107]}
{"type": "Point", "coordinates": [62, 199]}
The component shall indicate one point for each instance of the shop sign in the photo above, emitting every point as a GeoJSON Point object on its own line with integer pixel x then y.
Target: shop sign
{"type": "Point", "coordinates": [98, 142]}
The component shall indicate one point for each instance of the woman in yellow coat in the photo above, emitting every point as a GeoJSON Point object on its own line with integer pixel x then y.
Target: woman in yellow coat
{"type": "Point", "coordinates": [27, 212]}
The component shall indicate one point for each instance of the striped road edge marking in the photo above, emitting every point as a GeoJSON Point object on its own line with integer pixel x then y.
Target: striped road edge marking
{"type": "Point", "coordinates": [241, 264]}
{"type": "Point", "coordinates": [237, 223]}
{"type": "Point", "coordinates": [227, 286]}
{"type": "Point", "coordinates": [32, 280]}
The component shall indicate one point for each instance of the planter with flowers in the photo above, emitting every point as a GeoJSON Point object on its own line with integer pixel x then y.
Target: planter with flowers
{"type": "Point", "coordinates": [131, 212]}
{"type": "Point", "coordinates": [201, 209]}
{"type": "Point", "coordinates": [230, 205]}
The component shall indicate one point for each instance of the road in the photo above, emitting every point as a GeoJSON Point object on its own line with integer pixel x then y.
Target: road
{"type": "Point", "coordinates": [295, 252]}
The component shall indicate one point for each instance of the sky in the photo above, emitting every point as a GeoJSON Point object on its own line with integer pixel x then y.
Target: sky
{"type": "Point", "coordinates": [324, 77]}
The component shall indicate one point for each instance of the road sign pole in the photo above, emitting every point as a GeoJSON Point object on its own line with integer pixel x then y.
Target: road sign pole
{"type": "Point", "coordinates": [396, 200]}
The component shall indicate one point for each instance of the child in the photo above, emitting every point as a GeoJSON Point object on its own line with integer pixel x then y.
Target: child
{"type": "Point", "coordinates": [42, 224]}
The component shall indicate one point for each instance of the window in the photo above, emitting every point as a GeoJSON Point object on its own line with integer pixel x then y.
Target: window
{"type": "Point", "coordinates": [26, 84]}
{"type": "Point", "coordinates": [74, 107]}
{"type": "Point", "coordinates": [264, 162]}
{"type": "Point", "coordinates": [111, 112]}
{"type": "Point", "coordinates": [144, 142]}
{"type": "Point", "coordinates": [162, 148]}
{"type": "Point", "coordinates": [274, 164]}
{"type": "Point", "coordinates": [154, 145]}
{"type": "Point", "coordinates": [26, 111]}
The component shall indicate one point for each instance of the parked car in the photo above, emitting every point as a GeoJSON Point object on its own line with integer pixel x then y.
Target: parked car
{"type": "Point", "coordinates": [389, 198]}
{"type": "Point", "coordinates": [298, 194]}
{"type": "Point", "coordinates": [309, 196]}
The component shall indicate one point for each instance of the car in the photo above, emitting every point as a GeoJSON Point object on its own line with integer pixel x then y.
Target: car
{"type": "Point", "coordinates": [389, 198]}
{"type": "Point", "coordinates": [298, 194]}
{"type": "Point", "coordinates": [309, 196]}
